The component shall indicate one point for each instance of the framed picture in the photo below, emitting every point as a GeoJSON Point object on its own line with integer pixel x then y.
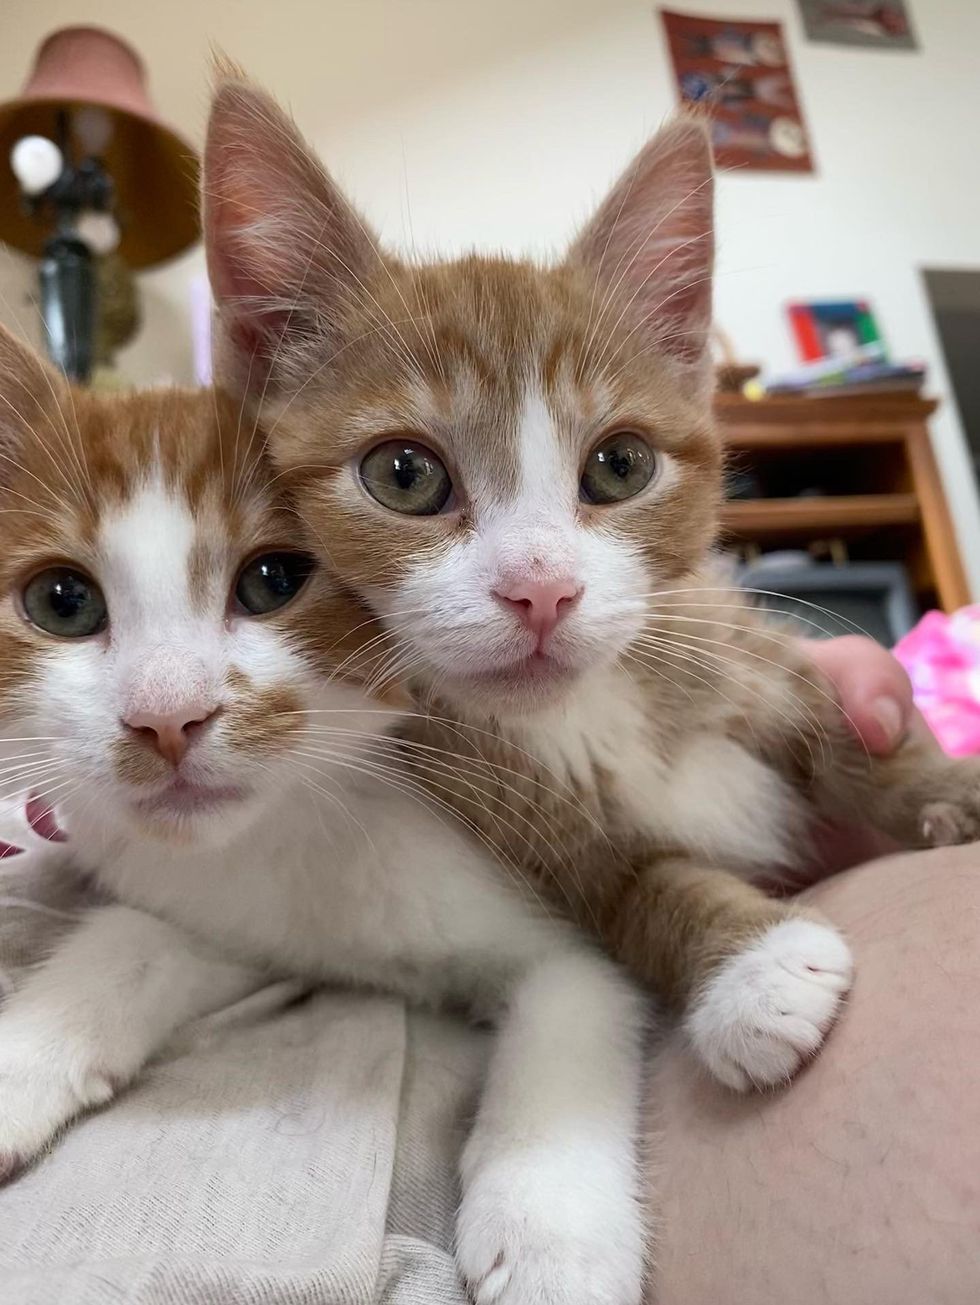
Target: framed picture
{"type": "Point", "coordinates": [844, 329]}
{"type": "Point", "coordinates": [740, 72]}
{"type": "Point", "coordinates": [882, 23]}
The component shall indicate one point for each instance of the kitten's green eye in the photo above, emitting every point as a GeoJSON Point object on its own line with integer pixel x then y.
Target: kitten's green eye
{"type": "Point", "coordinates": [272, 581]}
{"type": "Point", "coordinates": [406, 477]}
{"type": "Point", "coordinates": [66, 603]}
{"type": "Point", "coordinates": [618, 468]}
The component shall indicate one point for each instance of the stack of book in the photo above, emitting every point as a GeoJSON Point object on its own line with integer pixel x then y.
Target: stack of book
{"type": "Point", "coordinates": [855, 375]}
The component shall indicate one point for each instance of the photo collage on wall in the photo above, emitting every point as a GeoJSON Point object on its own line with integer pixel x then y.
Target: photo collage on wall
{"type": "Point", "coordinates": [740, 72]}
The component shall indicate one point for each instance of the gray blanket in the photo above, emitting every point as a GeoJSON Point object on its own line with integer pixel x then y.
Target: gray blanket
{"type": "Point", "coordinates": [288, 1152]}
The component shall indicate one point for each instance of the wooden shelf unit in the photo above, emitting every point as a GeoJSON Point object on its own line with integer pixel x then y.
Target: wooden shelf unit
{"type": "Point", "coordinates": [838, 514]}
{"type": "Point", "coordinates": [871, 456]}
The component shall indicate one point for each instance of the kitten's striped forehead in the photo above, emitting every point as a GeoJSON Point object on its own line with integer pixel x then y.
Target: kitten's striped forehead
{"type": "Point", "coordinates": [500, 349]}
{"type": "Point", "coordinates": [90, 460]}
{"type": "Point", "coordinates": [497, 349]}
{"type": "Point", "coordinates": [509, 345]}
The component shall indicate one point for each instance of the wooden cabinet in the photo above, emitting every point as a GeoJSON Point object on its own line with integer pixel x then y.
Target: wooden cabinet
{"type": "Point", "coordinates": [856, 469]}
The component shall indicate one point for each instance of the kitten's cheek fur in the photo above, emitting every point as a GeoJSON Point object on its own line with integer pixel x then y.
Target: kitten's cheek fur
{"type": "Point", "coordinates": [768, 1008]}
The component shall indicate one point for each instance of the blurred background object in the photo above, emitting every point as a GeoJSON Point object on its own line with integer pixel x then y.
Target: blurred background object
{"type": "Point", "coordinates": [731, 375]}
{"type": "Point", "coordinates": [98, 186]}
{"type": "Point", "coordinates": [118, 317]}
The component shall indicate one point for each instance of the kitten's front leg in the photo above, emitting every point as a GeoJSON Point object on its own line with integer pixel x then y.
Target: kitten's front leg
{"type": "Point", "coordinates": [88, 1019]}
{"type": "Point", "coordinates": [551, 1212]}
{"type": "Point", "coordinates": [918, 795]}
{"type": "Point", "coordinates": [758, 983]}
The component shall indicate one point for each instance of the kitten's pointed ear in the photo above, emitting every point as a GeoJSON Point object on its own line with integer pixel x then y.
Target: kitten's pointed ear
{"type": "Point", "coordinates": [30, 389]}
{"type": "Point", "coordinates": [285, 250]}
{"type": "Point", "coordinates": [651, 244]}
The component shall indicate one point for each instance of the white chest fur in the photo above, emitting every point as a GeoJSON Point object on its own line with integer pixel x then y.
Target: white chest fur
{"type": "Point", "coordinates": [708, 795]}
{"type": "Point", "coordinates": [371, 889]}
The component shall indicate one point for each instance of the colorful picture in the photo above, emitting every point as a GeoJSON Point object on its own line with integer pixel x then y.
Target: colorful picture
{"type": "Point", "coordinates": [882, 23]}
{"type": "Point", "coordinates": [841, 329]}
{"type": "Point", "coordinates": [741, 73]}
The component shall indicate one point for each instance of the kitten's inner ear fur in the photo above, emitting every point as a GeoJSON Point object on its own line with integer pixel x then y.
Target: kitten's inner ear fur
{"type": "Point", "coordinates": [651, 244]}
{"type": "Point", "coordinates": [31, 392]}
{"type": "Point", "coordinates": [286, 252]}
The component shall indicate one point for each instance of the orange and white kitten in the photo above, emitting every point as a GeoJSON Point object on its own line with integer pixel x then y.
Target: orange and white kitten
{"type": "Point", "coordinates": [165, 649]}
{"type": "Point", "coordinates": [517, 468]}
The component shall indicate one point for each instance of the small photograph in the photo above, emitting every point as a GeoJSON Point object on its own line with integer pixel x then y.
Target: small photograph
{"type": "Point", "coordinates": [838, 329]}
{"type": "Point", "coordinates": [884, 24]}
{"type": "Point", "coordinates": [741, 72]}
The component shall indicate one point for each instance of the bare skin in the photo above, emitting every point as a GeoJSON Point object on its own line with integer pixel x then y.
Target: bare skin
{"type": "Point", "coordinates": [873, 689]}
{"type": "Point", "coordinates": [860, 1185]}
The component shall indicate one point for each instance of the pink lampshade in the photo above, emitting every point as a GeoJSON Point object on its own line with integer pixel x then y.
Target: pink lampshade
{"type": "Point", "coordinates": [155, 171]}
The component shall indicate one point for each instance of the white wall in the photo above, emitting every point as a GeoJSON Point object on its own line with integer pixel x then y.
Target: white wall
{"type": "Point", "coordinates": [496, 124]}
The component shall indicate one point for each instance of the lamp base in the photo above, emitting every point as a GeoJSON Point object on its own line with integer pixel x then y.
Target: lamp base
{"type": "Point", "coordinates": [67, 280]}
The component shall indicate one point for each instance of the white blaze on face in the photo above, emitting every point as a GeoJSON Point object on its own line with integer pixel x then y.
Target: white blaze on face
{"type": "Point", "coordinates": [146, 547]}
{"type": "Point", "coordinates": [164, 638]}
{"type": "Point", "coordinates": [534, 536]}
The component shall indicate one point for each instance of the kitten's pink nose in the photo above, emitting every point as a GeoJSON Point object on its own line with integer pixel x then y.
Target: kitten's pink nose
{"type": "Point", "coordinates": [539, 604]}
{"type": "Point", "coordinates": [170, 733]}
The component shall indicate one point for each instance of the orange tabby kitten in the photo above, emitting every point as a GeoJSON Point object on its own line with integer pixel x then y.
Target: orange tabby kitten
{"type": "Point", "coordinates": [178, 679]}
{"type": "Point", "coordinates": [516, 467]}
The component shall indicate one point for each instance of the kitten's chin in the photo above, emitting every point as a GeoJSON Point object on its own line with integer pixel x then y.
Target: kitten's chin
{"type": "Point", "coordinates": [189, 813]}
{"type": "Point", "coordinates": [527, 686]}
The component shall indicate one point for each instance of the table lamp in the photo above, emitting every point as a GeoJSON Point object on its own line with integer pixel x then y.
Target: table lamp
{"type": "Point", "coordinates": [93, 170]}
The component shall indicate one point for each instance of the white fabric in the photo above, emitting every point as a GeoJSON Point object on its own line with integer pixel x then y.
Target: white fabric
{"type": "Point", "coordinates": [297, 1156]}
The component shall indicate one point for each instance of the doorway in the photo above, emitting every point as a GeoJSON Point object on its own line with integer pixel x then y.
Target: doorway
{"type": "Point", "coordinates": [954, 295]}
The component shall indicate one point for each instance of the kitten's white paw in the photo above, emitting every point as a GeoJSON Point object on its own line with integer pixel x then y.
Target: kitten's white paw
{"type": "Point", "coordinates": [534, 1234]}
{"type": "Point", "coordinates": [39, 1095]}
{"type": "Point", "coordinates": [768, 1008]}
